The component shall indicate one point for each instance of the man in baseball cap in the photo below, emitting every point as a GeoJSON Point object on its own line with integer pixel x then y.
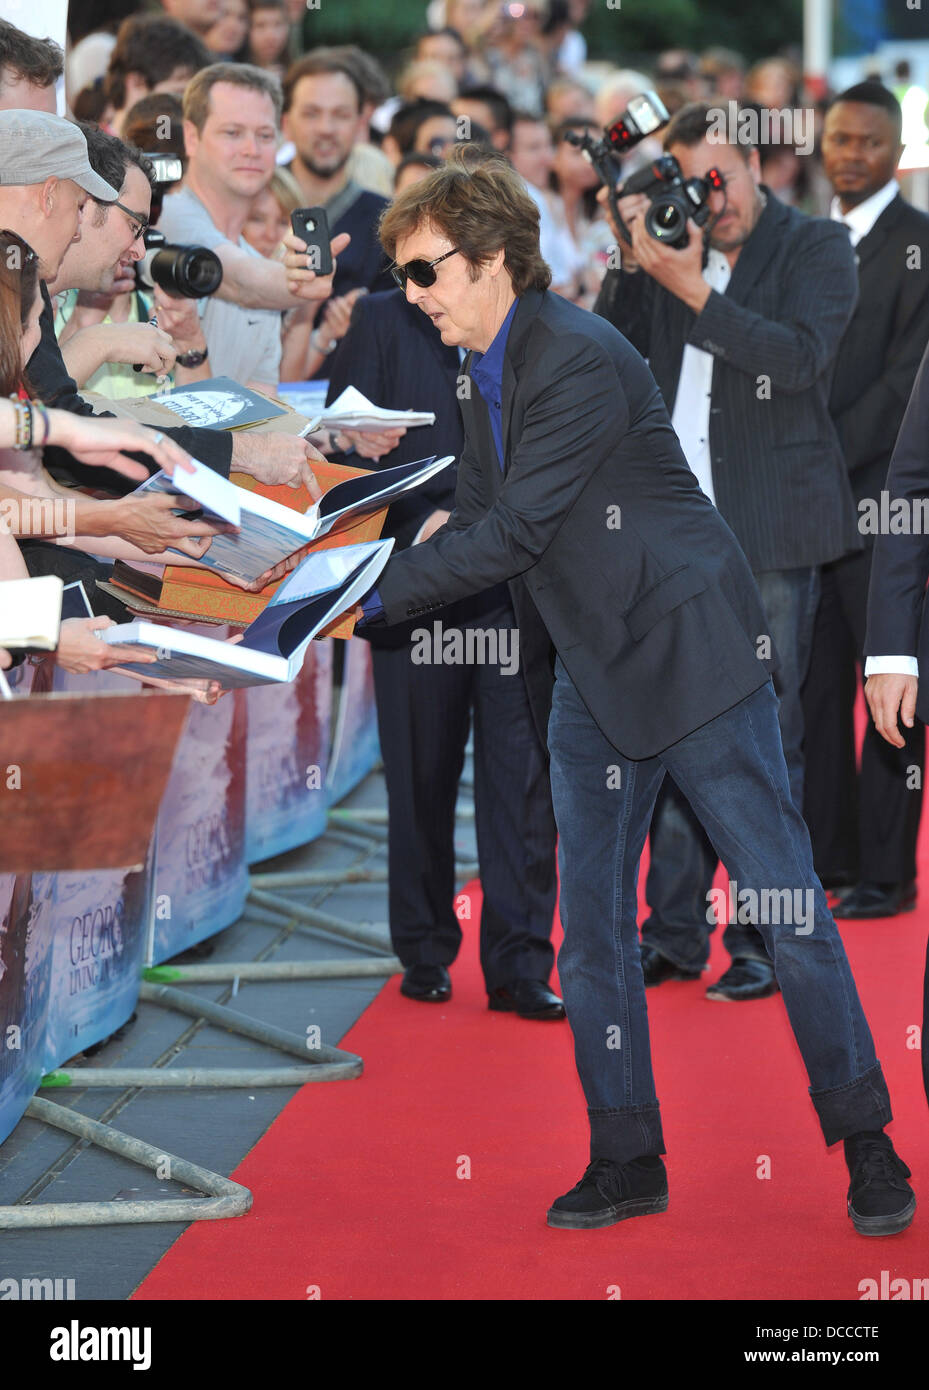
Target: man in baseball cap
{"type": "Point", "coordinates": [45, 180]}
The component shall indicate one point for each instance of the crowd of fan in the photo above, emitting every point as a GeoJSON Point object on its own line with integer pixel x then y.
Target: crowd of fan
{"type": "Point", "coordinates": [262, 127]}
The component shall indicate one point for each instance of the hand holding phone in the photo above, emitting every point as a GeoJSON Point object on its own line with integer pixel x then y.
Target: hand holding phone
{"type": "Point", "coordinates": [312, 226]}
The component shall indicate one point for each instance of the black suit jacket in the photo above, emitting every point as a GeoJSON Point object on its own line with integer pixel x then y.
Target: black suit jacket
{"type": "Point", "coordinates": [898, 624]}
{"type": "Point", "coordinates": [778, 473]}
{"type": "Point", "coordinates": [881, 350]}
{"type": "Point", "coordinates": [613, 553]}
{"type": "Point", "coordinates": [394, 356]}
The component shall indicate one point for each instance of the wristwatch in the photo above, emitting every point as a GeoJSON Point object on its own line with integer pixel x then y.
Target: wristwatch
{"type": "Point", "coordinates": [317, 343]}
{"type": "Point", "coordinates": [192, 359]}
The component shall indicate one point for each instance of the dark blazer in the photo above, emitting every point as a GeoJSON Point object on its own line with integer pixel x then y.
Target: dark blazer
{"type": "Point", "coordinates": [613, 553]}
{"type": "Point", "coordinates": [778, 473]}
{"type": "Point", "coordinates": [49, 378]}
{"type": "Point", "coordinates": [394, 356]}
{"type": "Point", "coordinates": [898, 624]}
{"type": "Point", "coordinates": [881, 350]}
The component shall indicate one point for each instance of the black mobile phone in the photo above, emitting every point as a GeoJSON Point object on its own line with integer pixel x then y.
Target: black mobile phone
{"type": "Point", "coordinates": [312, 226]}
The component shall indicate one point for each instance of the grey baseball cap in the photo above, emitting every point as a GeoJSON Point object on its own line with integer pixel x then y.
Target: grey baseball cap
{"type": "Point", "coordinates": [35, 145]}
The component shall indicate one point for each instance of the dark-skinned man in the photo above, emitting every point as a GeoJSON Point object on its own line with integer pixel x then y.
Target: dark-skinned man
{"type": "Point", "coordinates": [864, 824]}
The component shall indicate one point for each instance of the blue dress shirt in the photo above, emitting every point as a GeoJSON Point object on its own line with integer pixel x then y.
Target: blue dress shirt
{"type": "Point", "coordinates": [487, 375]}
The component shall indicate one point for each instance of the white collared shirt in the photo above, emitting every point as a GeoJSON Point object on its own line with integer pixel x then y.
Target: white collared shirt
{"type": "Point", "coordinates": [859, 221]}
{"type": "Point", "coordinates": [862, 218]}
{"type": "Point", "coordinates": [691, 417]}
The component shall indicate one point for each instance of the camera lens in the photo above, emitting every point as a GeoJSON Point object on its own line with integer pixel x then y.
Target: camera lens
{"type": "Point", "coordinates": [666, 220]}
{"type": "Point", "coordinates": [187, 272]}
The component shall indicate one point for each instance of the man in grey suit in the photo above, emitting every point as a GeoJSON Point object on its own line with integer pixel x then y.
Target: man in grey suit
{"type": "Point", "coordinates": [741, 335]}
{"type": "Point", "coordinates": [639, 624]}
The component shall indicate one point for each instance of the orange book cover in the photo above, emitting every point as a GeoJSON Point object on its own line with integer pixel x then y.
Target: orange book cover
{"type": "Point", "coordinates": [204, 594]}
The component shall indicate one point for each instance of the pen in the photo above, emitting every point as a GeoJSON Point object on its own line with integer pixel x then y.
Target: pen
{"type": "Point", "coordinates": [152, 323]}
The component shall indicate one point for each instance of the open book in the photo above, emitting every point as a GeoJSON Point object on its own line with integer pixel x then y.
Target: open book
{"type": "Point", "coordinates": [270, 532]}
{"type": "Point", "coordinates": [271, 651]}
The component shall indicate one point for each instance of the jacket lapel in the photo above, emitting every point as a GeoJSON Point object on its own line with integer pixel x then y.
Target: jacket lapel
{"type": "Point", "coordinates": [530, 302]}
{"type": "Point", "coordinates": [758, 250]}
{"type": "Point", "coordinates": [871, 244]}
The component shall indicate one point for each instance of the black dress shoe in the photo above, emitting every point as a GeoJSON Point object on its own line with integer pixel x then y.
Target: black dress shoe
{"type": "Point", "coordinates": [528, 998]}
{"type": "Point", "coordinates": [880, 1200]}
{"type": "Point", "coordinates": [430, 984]}
{"type": "Point", "coordinates": [745, 979]}
{"type": "Point", "coordinates": [657, 968]}
{"type": "Point", "coordinates": [610, 1192]}
{"type": "Point", "coordinates": [876, 900]}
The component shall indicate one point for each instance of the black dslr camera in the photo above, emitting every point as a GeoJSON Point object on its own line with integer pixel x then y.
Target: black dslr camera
{"type": "Point", "coordinates": [673, 197]}
{"type": "Point", "coordinates": [185, 272]}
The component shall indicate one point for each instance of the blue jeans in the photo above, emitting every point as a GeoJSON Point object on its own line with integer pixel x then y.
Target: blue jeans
{"type": "Point", "coordinates": [683, 861]}
{"type": "Point", "coordinates": [732, 771]}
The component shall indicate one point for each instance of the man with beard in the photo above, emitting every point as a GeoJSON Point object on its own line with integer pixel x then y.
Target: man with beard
{"type": "Point", "coordinates": [323, 116]}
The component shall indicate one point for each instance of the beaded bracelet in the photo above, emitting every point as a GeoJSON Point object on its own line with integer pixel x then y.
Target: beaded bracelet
{"type": "Point", "coordinates": [23, 425]}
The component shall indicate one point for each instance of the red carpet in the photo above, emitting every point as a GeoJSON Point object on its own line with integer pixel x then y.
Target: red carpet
{"type": "Point", "coordinates": [360, 1190]}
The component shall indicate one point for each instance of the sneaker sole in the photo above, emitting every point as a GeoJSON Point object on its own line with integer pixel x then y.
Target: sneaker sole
{"type": "Point", "coordinates": [883, 1225]}
{"type": "Point", "coordinates": [720, 998]}
{"type": "Point", "coordinates": [579, 1221]}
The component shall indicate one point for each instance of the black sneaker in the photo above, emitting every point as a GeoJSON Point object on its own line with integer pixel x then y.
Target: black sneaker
{"type": "Point", "coordinates": [880, 1200]}
{"type": "Point", "coordinates": [610, 1192]}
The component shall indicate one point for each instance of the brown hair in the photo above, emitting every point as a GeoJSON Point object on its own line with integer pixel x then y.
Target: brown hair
{"type": "Point", "coordinates": [479, 202]}
{"type": "Point", "coordinates": [321, 63]}
{"type": "Point", "coordinates": [692, 124]}
{"type": "Point", "coordinates": [39, 61]}
{"type": "Point", "coordinates": [197, 92]}
{"type": "Point", "coordinates": [19, 276]}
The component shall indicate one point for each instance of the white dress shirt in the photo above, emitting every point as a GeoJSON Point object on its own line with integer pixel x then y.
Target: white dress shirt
{"type": "Point", "coordinates": [691, 417]}
{"type": "Point", "coordinates": [859, 221]}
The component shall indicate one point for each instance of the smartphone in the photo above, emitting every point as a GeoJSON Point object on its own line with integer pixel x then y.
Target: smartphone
{"type": "Point", "coordinates": [312, 226]}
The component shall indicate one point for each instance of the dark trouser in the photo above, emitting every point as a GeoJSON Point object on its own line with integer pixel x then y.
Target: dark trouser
{"type": "Point", "coordinates": [862, 824]}
{"type": "Point", "coordinates": [683, 860]}
{"type": "Point", "coordinates": [423, 719]}
{"type": "Point", "coordinates": [732, 771]}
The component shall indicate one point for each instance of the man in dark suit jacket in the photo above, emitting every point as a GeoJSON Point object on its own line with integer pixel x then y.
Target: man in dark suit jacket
{"type": "Point", "coordinates": [864, 828]}
{"type": "Point", "coordinates": [741, 348]}
{"type": "Point", "coordinates": [393, 355]}
{"type": "Point", "coordinates": [897, 640]}
{"type": "Point", "coordinates": [573, 489]}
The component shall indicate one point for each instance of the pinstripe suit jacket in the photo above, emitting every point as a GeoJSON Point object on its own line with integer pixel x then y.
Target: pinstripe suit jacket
{"type": "Point", "coordinates": [779, 475]}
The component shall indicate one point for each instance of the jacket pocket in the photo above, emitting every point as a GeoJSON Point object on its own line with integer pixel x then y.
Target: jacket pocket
{"type": "Point", "coordinates": [662, 599]}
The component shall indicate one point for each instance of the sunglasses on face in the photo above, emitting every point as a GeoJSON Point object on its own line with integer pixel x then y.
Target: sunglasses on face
{"type": "Point", "coordinates": [422, 273]}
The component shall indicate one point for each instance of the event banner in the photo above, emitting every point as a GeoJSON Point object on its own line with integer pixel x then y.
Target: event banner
{"type": "Point", "coordinates": [355, 747]}
{"type": "Point", "coordinates": [287, 758]}
{"type": "Point", "coordinates": [26, 910]}
{"type": "Point", "coordinates": [100, 927]}
{"type": "Point", "coordinates": [201, 877]}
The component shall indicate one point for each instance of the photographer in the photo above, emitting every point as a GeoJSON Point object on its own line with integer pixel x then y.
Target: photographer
{"type": "Point", "coordinates": [741, 344]}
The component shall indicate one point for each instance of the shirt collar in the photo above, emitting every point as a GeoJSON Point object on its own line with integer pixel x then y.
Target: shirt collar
{"type": "Point", "coordinates": [489, 365]}
{"type": "Point", "coordinates": [862, 218]}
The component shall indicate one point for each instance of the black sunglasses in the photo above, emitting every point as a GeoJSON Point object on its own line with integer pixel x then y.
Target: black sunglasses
{"type": "Point", "coordinates": [422, 273]}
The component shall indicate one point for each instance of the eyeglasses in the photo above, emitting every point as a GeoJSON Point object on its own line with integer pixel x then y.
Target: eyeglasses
{"type": "Point", "coordinates": [139, 222]}
{"type": "Point", "coordinates": [422, 273]}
